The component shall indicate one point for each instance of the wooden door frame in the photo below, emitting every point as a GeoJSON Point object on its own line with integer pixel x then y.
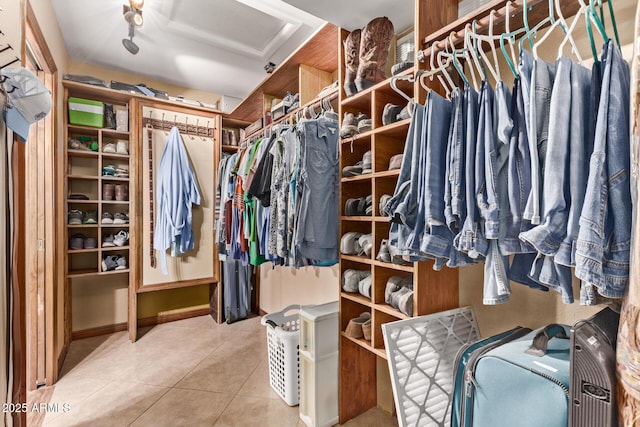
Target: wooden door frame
{"type": "Point", "coordinates": [37, 41]}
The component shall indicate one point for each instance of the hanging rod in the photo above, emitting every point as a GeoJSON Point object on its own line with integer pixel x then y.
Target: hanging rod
{"type": "Point", "coordinates": [537, 11]}
{"type": "Point", "coordinates": [187, 128]}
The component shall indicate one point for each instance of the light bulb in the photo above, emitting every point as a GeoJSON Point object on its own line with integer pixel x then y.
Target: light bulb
{"type": "Point", "coordinates": [134, 18]}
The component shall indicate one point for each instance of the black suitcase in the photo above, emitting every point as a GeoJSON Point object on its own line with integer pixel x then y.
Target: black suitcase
{"type": "Point", "coordinates": [236, 279]}
{"type": "Point", "coordinates": [593, 371]}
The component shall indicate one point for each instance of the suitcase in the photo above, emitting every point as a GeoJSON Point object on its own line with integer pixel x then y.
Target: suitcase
{"type": "Point", "coordinates": [521, 379]}
{"type": "Point", "coordinates": [236, 280]}
{"type": "Point", "coordinates": [593, 371]}
{"type": "Point", "coordinates": [462, 360]}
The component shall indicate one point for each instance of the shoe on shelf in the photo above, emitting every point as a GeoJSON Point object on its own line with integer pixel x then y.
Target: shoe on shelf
{"type": "Point", "coordinates": [122, 147]}
{"type": "Point", "coordinates": [75, 144]}
{"type": "Point", "coordinates": [349, 126]}
{"type": "Point", "coordinates": [108, 170]}
{"type": "Point", "coordinates": [366, 161]}
{"type": "Point", "coordinates": [366, 244]}
{"type": "Point", "coordinates": [107, 241]}
{"type": "Point", "coordinates": [383, 254]}
{"type": "Point", "coordinates": [109, 147]}
{"type": "Point", "coordinates": [364, 125]}
{"type": "Point", "coordinates": [90, 243]}
{"type": "Point", "coordinates": [122, 192]}
{"type": "Point", "coordinates": [90, 217]}
{"type": "Point", "coordinates": [390, 114]}
{"type": "Point", "coordinates": [351, 278]}
{"type": "Point", "coordinates": [355, 170]}
{"type": "Point", "coordinates": [364, 287]}
{"type": "Point", "coordinates": [349, 243]}
{"type": "Point", "coordinates": [108, 189]}
{"type": "Point", "coordinates": [225, 137]}
{"type": "Point", "coordinates": [121, 238]}
{"type": "Point", "coordinates": [75, 217]}
{"type": "Point", "coordinates": [121, 172]}
{"type": "Point", "coordinates": [76, 241]}
{"type": "Point", "coordinates": [384, 199]}
{"type": "Point", "coordinates": [366, 329]}
{"type": "Point", "coordinates": [354, 328]}
{"type": "Point", "coordinates": [351, 60]}
{"type": "Point", "coordinates": [77, 196]}
{"type": "Point", "coordinates": [121, 262]}
{"type": "Point", "coordinates": [395, 162]}
{"type": "Point", "coordinates": [109, 262]}
{"type": "Point", "coordinates": [120, 218]}
{"type": "Point", "coordinates": [374, 49]}
{"type": "Point", "coordinates": [107, 218]}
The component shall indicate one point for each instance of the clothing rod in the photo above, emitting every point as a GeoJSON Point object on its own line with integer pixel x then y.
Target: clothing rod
{"type": "Point", "coordinates": [182, 127]}
{"type": "Point", "coordinates": [537, 11]}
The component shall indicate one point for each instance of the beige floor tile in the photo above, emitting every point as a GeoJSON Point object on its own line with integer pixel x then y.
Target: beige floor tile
{"type": "Point", "coordinates": [220, 374]}
{"type": "Point", "coordinates": [189, 408]}
{"type": "Point", "coordinates": [117, 404]}
{"type": "Point", "coordinates": [200, 322]}
{"type": "Point", "coordinates": [161, 369]}
{"type": "Point", "coordinates": [199, 342]}
{"type": "Point", "coordinates": [257, 385]}
{"type": "Point", "coordinates": [254, 411]}
{"type": "Point", "coordinates": [72, 391]}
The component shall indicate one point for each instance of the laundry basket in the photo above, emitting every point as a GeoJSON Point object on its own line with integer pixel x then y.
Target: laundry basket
{"type": "Point", "coordinates": [283, 342]}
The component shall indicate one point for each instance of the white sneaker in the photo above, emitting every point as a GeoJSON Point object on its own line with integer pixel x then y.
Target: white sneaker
{"type": "Point", "coordinates": [122, 147]}
{"type": "Point", "coordinates": [121, 238]}
{"type": "Point", "coordinates": [109, 147]}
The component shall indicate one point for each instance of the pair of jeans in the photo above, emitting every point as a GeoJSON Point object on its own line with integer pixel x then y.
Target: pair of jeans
{"type": "Point", "coordinates": [470, 239]}
{"type": "Point", "coordinates": [542, 78]}
{"type": "Point", "coordinates": [402, 206]}
{"type": "Point", "coordinates": [317, 227]}
{"type": "Point", "coordinates": [604, 238]}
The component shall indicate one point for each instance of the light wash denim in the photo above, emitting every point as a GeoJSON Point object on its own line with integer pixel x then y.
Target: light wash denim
{"type": "Point", "coordinates": [317, 237]}
{"type": "Point", "coordinates": [454, 171]}
{"type": "Point", "coordinates": [402, 207]}
{"type": "Point", "coordinates": [518, 178]}
{"type": "Point", "coordinates": [437, 238]}
{"type": "Point", "coordinates": [471, 239]}
{"type": "Point", "coordinates": [555, 276]}
{"type": "Point", "coordinates": [603, 246]}
{"type": "Point", "coordinates": [580, 148]}
{"type": "Point", "coordinates": [542, 79]}
{"type": "Point", "coordinates": [496, 125]}
{"type": "Point", "coordinates": [525, 68]}
{"type": "Point", "coordinates": [520, 268]}
{"type": "Point", "coordinates": [547, 236]}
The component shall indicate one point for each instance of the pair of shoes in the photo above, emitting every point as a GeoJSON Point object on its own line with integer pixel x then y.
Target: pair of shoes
{"type": "Point", "coordinates": [114, 262]}
{"type": "Point", "coordinates": [398, 293]}
{"type": "Point", "coordinates": [108, 170]}
{"type": "Point", "coordinates": [353, 125]}
{"type": "Point", "coordinates": [118, 218]}
{"type": "Point", "coordinates": [119, 239]}
{"type": "Point", "coordinates": [361, 206]}
{"type": "Point", "coordinates": [366, 54]}
{"type": "Point", "coordinates": [351, 279]}
{"type": "Point", "coordinates": [83, 143]}
{"type": "Point", "coordinates": [360, 168]}
{"type": "Point", "coordinates": [119, 147]}
{"type": "Point", "coordinates": [80, 241]}
{"type": "Point", "coordinates": [229, 137]}
{"type": "Point", "coordinates": [354, 327]}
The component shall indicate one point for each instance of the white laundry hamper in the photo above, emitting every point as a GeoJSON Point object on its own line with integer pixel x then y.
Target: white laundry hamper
{"type": "Point", "coordinates": [283, 343]}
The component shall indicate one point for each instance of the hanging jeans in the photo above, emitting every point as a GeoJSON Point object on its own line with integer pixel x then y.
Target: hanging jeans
{"type": "Point", "coordinates": [603, 246]}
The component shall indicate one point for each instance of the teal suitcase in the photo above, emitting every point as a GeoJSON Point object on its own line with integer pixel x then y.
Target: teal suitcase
{"type": "Point", "coordinates": [522, 382]}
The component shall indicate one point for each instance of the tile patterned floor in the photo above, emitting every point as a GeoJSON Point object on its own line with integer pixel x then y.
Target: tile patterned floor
{"type": "Point", "coordinates": [193, 373]}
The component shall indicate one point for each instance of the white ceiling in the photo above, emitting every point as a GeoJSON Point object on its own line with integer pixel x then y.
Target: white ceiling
{"type": "Point", "coordinates": [217, 46]}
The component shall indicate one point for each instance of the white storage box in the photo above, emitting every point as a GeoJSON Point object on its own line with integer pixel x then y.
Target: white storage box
{"type": "Point", "coordinates": [283, 341]}
{"type": "Point", "coordinates": [319, 390]}
{"type": "Point", "coordinates": [319, 329]}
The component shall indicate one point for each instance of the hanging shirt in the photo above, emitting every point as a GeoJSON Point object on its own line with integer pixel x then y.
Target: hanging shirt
{"type": "Point", "coordinates": [176, 192]}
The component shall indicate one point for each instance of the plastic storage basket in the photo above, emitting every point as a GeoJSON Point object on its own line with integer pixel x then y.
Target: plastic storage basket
{"type": "Point", "coordinates": [283, 342]}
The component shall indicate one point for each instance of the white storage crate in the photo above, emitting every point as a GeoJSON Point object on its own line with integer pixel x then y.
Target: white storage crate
{"type": "Point", "coordinates": [319, 393]}
{"type": "Point", "coordinates": [283, 343]}
{"type": "Point", "coordinates": [319, 329]}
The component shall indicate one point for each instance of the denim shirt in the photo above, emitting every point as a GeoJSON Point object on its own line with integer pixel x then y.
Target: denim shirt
{"type": "Point", "coordinates": [604, 238]}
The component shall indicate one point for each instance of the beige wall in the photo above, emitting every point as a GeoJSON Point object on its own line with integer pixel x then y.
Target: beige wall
{"type": "Point", "coordinates": [173, 90]}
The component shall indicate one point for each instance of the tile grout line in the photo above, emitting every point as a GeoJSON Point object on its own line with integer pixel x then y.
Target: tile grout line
{"type": "Point", "coordinates": [149, 407]}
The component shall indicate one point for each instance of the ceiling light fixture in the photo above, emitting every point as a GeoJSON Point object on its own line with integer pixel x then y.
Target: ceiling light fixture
{"type": "Point", "coordinates": [132, 16]}
{"type": "Point", "coordinates": [129, 44]}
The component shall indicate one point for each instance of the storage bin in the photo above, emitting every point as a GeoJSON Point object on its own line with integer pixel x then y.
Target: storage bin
{"type": "Point", "coordinates": [283, 342]}
{"type": "Point", "coordinates": [86, 112]}
{"type": "Point", "coordinates": [319, 390]}
{"type": "Point", "coordinates": [319, 329]}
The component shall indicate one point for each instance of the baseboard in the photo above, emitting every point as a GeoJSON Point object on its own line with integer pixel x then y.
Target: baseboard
{"type": "Point", "coordinates": [147, 321]}
{"type": "Point", "coordinates": [172, 317]}
{"type": "Point", "coordinates": [100, 330]}
{"type": "Point", "coordinates": [261, 312]}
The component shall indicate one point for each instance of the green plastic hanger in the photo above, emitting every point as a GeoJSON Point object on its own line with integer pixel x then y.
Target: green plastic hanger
{"type": "Point", "coordinates": [592, 17]}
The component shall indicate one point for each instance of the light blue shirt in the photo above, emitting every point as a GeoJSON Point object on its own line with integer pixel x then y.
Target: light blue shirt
{"type": "Point", "coordinates": [176, 191]}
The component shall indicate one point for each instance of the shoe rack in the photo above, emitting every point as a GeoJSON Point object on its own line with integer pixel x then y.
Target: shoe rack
{"type": "Point", "coordinates": [83, 175]}
{"type": "Point", "coordinates": [361, 361]}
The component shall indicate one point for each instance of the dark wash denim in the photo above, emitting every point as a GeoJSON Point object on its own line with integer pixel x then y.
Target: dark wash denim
{"type": "Point", "coordinates": [471, 239]}
{"type": "Point", "coordinates": [603, 246]}
{"type": "Point", "coordinates": [542, 78]}
{"type": "Point", "coordinates": [402, 207]}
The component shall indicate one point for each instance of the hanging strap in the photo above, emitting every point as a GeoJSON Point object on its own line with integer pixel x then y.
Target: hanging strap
{"type": "Point", "coordinates": [152, 253]}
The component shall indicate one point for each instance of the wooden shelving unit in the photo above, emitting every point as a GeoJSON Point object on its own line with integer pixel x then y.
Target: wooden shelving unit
{"type": "Point", "coordinates": [434, 291]}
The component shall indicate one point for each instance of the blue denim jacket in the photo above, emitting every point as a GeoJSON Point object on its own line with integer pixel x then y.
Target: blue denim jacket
{"type": "Point", "coordinates": [603, 246]}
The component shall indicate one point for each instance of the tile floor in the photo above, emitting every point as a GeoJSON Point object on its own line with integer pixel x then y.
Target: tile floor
{"type": "Point", "coordinates": [193, 372]}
